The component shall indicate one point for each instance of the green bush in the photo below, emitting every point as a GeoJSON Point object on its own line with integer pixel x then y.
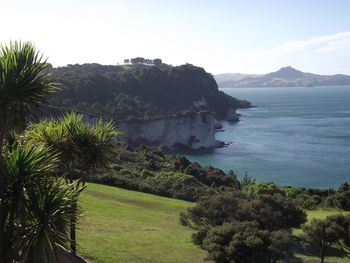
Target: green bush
{"type": "Point", "coordinates": [339, 200]}
{"type": "Point", "coordinates": [146, 173]}
{"type": "Point", "coordinates": [262, 188]}
{"type": "Point", "coordinates": [234, 227]}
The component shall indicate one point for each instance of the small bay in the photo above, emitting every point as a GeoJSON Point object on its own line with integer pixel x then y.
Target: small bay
{"type": "Point", "coordinates": [295, 136]}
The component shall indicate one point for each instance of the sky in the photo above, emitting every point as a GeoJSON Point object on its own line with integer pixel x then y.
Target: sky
{"type": "Point", "coordinates": [246, 36]}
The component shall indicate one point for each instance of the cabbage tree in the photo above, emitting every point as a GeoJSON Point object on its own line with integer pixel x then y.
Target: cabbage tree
{"type": "Point", "coordinates": [82, 147]}
{"type": "Point", "coordinates": [39, 206]}
{"type": "Point", "coordinates": [24, 87]}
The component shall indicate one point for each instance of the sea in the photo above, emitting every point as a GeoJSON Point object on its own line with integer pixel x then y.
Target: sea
{"type": "Point", "coordinates": [296, 136]}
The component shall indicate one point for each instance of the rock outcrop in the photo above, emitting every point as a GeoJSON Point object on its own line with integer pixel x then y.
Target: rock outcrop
{"type": "Point", "coordinates": [192, 130]}
{"type": "Point", "coordinates": [232, 115]}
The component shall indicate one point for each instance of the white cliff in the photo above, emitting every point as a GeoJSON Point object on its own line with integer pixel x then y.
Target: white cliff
{"type": "Point", "coordinates": [194, 130]}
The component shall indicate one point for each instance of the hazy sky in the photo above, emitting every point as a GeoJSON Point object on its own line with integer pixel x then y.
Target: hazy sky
{"type": "Point", "coordinates": [248, 36]}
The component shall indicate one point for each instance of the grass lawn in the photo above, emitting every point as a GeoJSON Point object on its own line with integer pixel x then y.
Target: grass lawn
{"type": "Point", "coordinates": [128, 226]}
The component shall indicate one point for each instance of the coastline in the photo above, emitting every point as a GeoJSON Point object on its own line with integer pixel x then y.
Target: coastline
{"type": "Point", "coordinates": [295, 136]}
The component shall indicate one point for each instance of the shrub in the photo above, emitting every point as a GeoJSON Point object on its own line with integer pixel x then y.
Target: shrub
{"type": "Point", "coordinates": [235, 228]}
{"type": "Point", "coordinates": [146, 173]}
{"type": "Point", "coordinates": [262, 188]}
{"type": "Point", "coordinates": [339, 200]}
{"type": "Point", "coordinates": [245, 242]}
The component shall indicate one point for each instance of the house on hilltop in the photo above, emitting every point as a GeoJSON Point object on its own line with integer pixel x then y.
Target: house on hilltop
{"type": "Point", "coordinates": [143, 61]}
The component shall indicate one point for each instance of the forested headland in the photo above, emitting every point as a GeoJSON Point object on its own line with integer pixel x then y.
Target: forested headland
{"type": "Point", "coordinates": [139, 91]}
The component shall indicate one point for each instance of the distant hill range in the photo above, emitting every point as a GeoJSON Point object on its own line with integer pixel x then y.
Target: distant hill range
{"type": "Point", "coordinates": [285, 77]}
{"type": "Point", "coordinates": [224, 77]}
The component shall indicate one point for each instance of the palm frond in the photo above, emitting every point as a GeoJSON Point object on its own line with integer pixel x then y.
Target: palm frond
{"type": "Point", "coordinates": [24, 82]}
{"type": "Point", "coordinates": [50, 208]}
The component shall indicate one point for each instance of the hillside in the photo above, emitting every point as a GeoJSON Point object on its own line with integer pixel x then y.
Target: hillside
{"type": "Point", "coordinates": [139, 91]}
{"type": "Point", "coordinates": [153, 172]}
{"type": "Point", "coordinates": [286, 77]}
{"type": "Point", "coordinates": [127, 226]}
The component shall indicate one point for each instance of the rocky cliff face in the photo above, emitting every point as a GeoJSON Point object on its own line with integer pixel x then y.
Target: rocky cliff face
{"type": "Point", "coordinates": [194, 130]}
{"type": "Point", "coordinates": [232, 115]}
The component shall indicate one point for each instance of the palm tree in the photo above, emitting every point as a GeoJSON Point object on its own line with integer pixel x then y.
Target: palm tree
{"type": "Point", "coordinates": [24, 167]}
{"type": "Point", "coordinates": [24, 87]}
{"type": "Point", "coordinates": [39, 205]}
{"type": "Point", "coordinates": [82, 147]}
{"type": "Point", "coordinates": [52, 205]}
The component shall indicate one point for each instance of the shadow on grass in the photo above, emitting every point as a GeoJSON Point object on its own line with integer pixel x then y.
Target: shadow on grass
{"type": "Point", "coordinates": [300, 247]}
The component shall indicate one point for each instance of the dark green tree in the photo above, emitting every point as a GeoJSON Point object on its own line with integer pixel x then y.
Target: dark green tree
{"type": "Point", "coordinates": [343, 243]}
{"type": "Point", "coordinates": [264, 228]}
{"type": "Point", "coordinates": [339, 200]}
{"type": "Point", "coordinates": [246, 180]}
{"type": "Point", "coordinates": [344, 187]}
{"type": "Point", "coordinates": [245, 242]}
{"type": "Point", "coordinates": [157, 61]}
{"type": "Point", "coordinates": [322, 234]}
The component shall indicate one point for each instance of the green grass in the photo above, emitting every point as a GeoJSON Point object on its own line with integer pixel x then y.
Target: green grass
{"type": "Point", "coordinates": [321, 214]}
{"type": "Point", "coordinates": [128, 226]}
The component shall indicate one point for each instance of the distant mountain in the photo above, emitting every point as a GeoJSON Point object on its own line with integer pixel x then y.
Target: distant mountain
{"type": "Point", "coordinates": [285, 77]}
{"type": "Point", "coordinates": [232, 77]}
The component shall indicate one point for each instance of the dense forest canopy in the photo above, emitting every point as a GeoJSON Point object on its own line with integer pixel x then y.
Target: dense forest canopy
{"type": "Point", "coordinates": [139, 91]}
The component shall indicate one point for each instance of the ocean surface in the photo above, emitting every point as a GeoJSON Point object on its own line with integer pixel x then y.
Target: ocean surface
{"type": "Point", "coordinates": [295, 136]}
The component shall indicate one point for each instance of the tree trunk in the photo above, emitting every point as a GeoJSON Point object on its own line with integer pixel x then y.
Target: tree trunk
{"type": "Point", "coordinates": [2, 194]}
{"type": "Point", "coordinates": [9, 232]}
{"type": "Point", "coordinates": [73, 238]}
{"type": "Point", "coordinates": [322, 256]}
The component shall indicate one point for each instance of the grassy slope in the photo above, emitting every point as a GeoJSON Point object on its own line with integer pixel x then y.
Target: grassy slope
{"type": "Point", "coordinates": [128, 226]}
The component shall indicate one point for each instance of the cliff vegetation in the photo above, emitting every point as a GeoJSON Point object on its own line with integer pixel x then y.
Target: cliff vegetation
{"type": "Point", "coordinates": [139, 91]}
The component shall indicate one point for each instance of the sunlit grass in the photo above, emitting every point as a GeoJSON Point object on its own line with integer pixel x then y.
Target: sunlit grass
{"type": "Point", "coordinates": [128, 226]}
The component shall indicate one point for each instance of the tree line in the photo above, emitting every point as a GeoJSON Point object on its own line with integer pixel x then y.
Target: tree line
{"type": "Point", "coordinates": [139, 91]}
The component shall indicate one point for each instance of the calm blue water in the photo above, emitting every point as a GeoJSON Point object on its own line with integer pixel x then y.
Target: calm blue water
{"type": "Point", "coordinates": [296, 136]}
